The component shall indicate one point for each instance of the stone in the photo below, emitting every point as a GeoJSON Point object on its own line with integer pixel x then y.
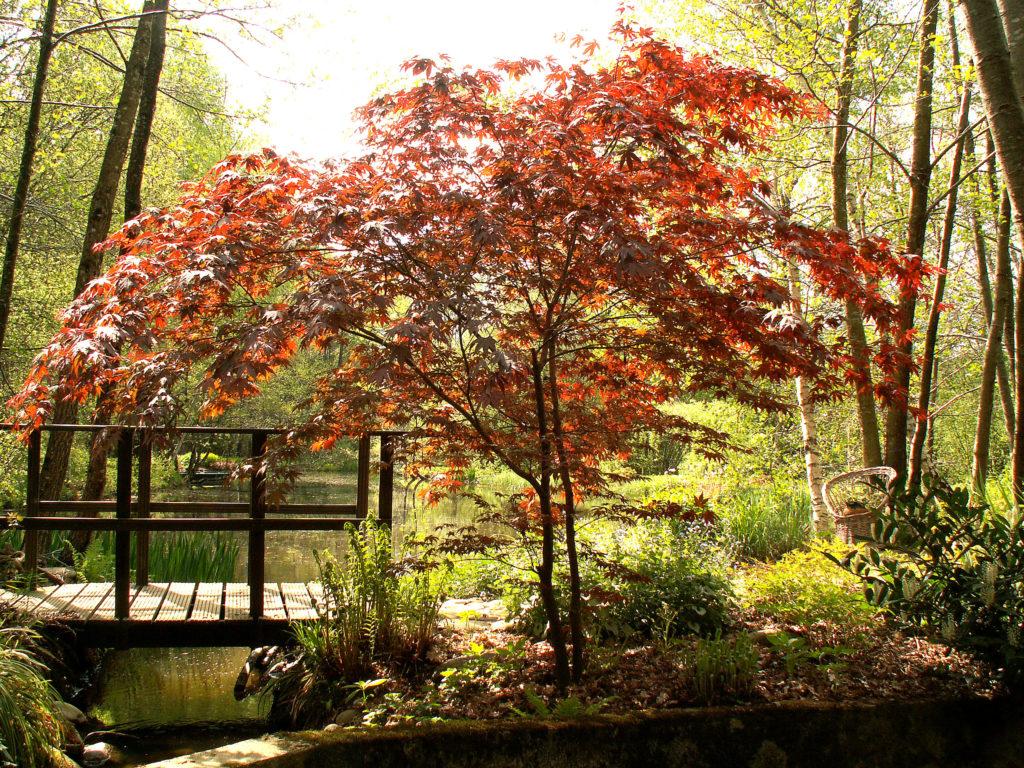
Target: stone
{"type": "Point", "coordinates": [101, 754]}
{"type": "Point", "coordinates": [72, 714]}
{"type": "Point", "coordinates": [348, 717]}
{"type": "Point", "coordinates": [331, 727]}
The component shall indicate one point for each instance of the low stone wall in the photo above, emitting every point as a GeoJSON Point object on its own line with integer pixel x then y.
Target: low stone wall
{"type": "Point", "coordinates": [922, 734]}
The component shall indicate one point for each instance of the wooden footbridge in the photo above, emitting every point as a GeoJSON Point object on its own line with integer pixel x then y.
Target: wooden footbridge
{"type": "Point", "coordinates": [134, 613]}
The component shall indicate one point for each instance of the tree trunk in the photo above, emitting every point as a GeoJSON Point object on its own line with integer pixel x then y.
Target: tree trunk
{"type": "Point", "coordinates": [1005, 113]}
{"type": "Point", "coordinates": [867, 415]}
{"type": "Point", "coordinates": [58, 448]}
{"type": "Point", "coordinates": [99, 447]}
{"type": "Point", "coordinates": [546, 568]}
{"type": "Point", "coordinates": [917, 226]}
{"type": "Point", "coordinates": [934, 314]}
{"type": "Point", "coordinates": [993, 353]}
{"type": "Point", "coordinates": [576, 634]}
{"type": "Point", "coordinates": [19, 201]}
{"type": "Point", "coordinates": [808, 422]}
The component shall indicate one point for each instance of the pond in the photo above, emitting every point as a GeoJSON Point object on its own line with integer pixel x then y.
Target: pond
{"type": "Point", "coordinates": [148, 690]}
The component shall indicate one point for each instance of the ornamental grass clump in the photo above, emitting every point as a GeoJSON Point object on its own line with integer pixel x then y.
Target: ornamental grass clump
{"type": "Point", "coordinates": [30, 721]}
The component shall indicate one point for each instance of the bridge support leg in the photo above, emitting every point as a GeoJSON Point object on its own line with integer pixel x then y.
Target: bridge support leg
{"type": "Point", "coordinates": [257, 539]}
{"type": "Point", "coordinates": [122, 538]}
{"type": "Point", "coordinates": [31, 543]}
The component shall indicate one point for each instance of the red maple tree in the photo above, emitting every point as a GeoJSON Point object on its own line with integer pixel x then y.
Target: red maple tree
{"type": "Point", "coordinates": [526, 264]}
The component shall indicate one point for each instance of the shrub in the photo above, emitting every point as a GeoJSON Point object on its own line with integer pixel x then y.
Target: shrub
{"type": "Point", "coordinates": [375, 613]}
{"type": "Point", "coordinates": [30, 722]}
{"type": "Point", "coordinates": [178, 556]}
{"type": "Point", "coordinates": [804, 587]}
{"type": "Point", "coordinates": [944, 562]}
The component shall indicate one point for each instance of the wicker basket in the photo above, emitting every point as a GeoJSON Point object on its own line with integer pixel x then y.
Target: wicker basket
{"type": "Point", "coordinates": [855, 498]}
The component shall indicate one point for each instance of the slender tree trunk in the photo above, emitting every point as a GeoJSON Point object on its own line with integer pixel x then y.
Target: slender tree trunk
{"type": "Point", "coordinates": [867, 415]}
{"type": "Point", "coordinates": [99, 446]}
{"type": "Point", "coordinates": [1005, 111]}
{"type": "Point", "coordinates": [917, 226]}
{"type": "Point", "coordinates": [993, 352]}
{"type": "Point", "coordinates": [546, 568]}
{"type": "Point", "coordinates": [934, 314]}
{"type": "Point", "coordinates": [808, 422]}
{"type": "Point", "coordinates": [101, 209]}
{"type": "Point", "coordinates": [576, 634]}
{"type": "Point", "coordinates": [28, 154]}
{"type": "Point", "coordinates": [1012, 12]}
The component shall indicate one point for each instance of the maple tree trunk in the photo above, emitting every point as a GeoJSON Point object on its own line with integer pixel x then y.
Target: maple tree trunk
{"type": "Point", "coordinates": [546, 568]}
{"type": "Point", "coordinates": [935, 311]}
{"type": "Point", "coordinates": [867, 414]}
{"type": "Point", "coordinates": [917, 227]}
{"type": "Point", "coordinates": [576, 635]}
{"type": "Point", "coordinates": [99, 446]}
{"type": "Point", "coordinates": [1005, 111]}
{"type": "Point", "coordinates": [19, 201]}
{"type": "Point", "coordinates": [808, 423]}
{"type": "Point", "coordinates": [993, 353]}
{"type": "Point", "coordinates": [58, 447]}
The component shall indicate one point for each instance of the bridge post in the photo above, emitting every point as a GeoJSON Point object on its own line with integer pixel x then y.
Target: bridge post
{"type": "Point", "coordinates": [257, 539]}
{"type": "Point", "coordinates": [363, 478]}
{"type": "Point", "coordinates": [386, 481]}
{"type": "Point", "coordinates": [31, 543]}
{"type": "Point", "coordinates": [142, 509]}
{"type": "Point", "coordinates": [122, 538]}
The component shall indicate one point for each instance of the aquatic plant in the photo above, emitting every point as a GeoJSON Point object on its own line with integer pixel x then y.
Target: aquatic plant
{"type": "Point", "coordinates": [30, 722]}
{"type": "Point", "coordinates": [178, 556]}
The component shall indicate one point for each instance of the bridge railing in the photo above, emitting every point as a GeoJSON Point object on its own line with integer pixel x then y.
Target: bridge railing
{"type": "Point", "coordinates": [134, 511]}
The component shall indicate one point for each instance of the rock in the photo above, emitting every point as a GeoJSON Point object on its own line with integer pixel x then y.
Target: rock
{"type": "Point", "coordinates": [60, 575]}
{"type": "Point", "coordinates": [332, 727]}
{"type": "Point", "coordinates": [254, 672]}
{"type": "Point", "coordinates": [72, 714]}
{"type": "Point", "coordinates": [348, 717]}
{"type": "Point", "coordinates": [101, 754]}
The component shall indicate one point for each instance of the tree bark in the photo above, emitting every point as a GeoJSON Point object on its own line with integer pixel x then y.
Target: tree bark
{"type": "Point", "coordinates": [808, 422]}
{"type": "Point", "coordinates": [576, 635]}
{"type": "Point", "coordinates": [917, 225]}
{"type": "Point", "coordinates": [993, 353]}
{"type": "Point", "coordinates": [1005, 113]}
{"type": "Point", "coordinates": [99, 446]}
{"type": "Point", "coordinates": [19, 202]}
{"type": "Point", "coordinates": [546, 568]}
{"type": "Point", "coordinates": [867, 415]}
{"type": "Point", "coordinates": [934, 314]}
{"type": "Point", "coordinates": [58, 448]}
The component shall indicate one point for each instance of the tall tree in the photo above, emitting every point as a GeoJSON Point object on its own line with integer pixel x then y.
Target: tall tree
{"type": "Point", "coordinates": [867, 415]}
{"type": "Point", "coordinates": [19, 201]}
{"type": "Point", "coordinates": [101, 210]}
{"type": "Point", "coordinates": [997, 76]}
{"type": "Point", "coordinates": [99, 445]}
{"type": "Point", "coordinates": [916, 233]}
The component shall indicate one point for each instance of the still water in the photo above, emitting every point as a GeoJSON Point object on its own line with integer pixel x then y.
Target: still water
{"type": "Point", "coordinates": [156, 687]}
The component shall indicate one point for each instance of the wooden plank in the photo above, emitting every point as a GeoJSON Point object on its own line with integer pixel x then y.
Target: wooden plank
{"type": "Point", "coordinates": [10, 600]}
{"type": "Point", "coordinates": [209, 599]}
{"type": "Point", "coordinates": [236, 601]}
{"type": "Point", "coordinates": [105, 611]}
{"type": "Point", "coordinates": [316, 594]}
{"type": "Point", "coordinates": [89, 599]}
{"type": "Point", "coordinates": [147, 601]}
{"type": "Point", "coordinates": [298, 603]}
{"type": "Point", "coordinates": [177, 601]}
{"type": "Point", "coordinates": [57, 600]}
{"type": "Point", "coordinates": [273, 604]}
{"type": "Point", "coordinates": [182, 524]}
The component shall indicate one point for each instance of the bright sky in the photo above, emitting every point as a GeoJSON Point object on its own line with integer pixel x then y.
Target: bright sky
{"type": "Point", "coordinates": [336, 52]}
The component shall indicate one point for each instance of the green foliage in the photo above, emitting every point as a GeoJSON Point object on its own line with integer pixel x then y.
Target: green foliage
{"type": "Point", "coordinates": [178, 556]}
{"type": "Point", "coordinates": [375, 613]}
{"type": "Point", "coordinates": [30, 722]}
{"type": "Point", "coordinates": [804, 587]}
{"type": "Point", "coordinates": [563, 709]}
{"type": "Point", "coordinates": [766, 522]}
{"type": "Point", "coordinates": [723, 667]}
{"type": "Point", "coordinates": [797, 651]}
{"type": "Point", "coordinates": [945, 562]}
{"type": "Point", "coordinates": [672, 580]}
